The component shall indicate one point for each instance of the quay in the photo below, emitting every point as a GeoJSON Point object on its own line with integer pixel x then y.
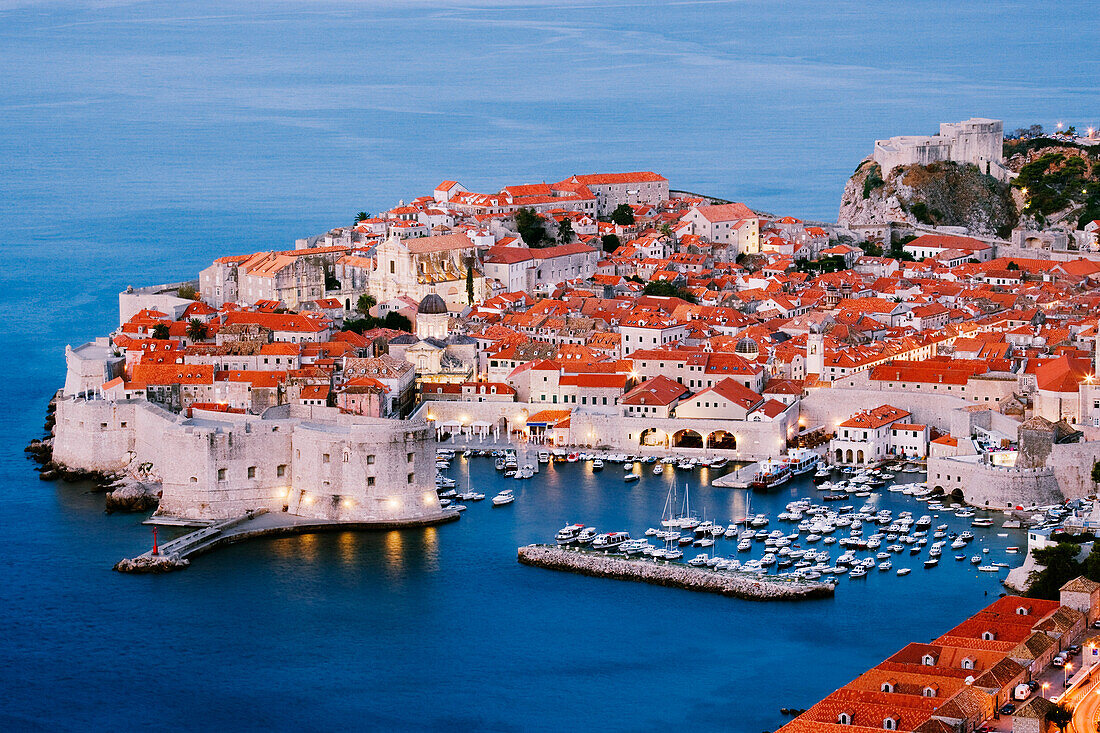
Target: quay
{"type": "Point", "coordinates": [674, 575]}
{"type": "Point", "coordinates": [176, 554]}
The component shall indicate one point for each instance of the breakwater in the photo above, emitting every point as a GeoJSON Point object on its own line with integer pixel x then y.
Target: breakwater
{"type": "Point", "coordinates": [674, 575]}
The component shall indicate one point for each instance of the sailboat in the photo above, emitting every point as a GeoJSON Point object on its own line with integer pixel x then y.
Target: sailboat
{"type": "Point", "coordinates": [687, 521]}
{"type": "Point", "coordinates": [667, 518]}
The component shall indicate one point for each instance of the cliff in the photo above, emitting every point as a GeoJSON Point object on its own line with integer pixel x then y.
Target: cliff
{"type": "Point", "coordinates": [940, 194]}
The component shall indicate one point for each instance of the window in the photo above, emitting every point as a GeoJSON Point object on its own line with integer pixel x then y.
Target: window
{"type": "Point", "coordinates": [889, 724]}
{"type": "Point", "coordinates": [887, 687]}
{"type": "Point", "coordinates": [968, 663]}
{"type": "Point", "coordinates": [928, 660]}
{"type": "Point", "coordinates": [347, 456]}
{"type": "Point", "coordinates": [324, 458]}
{"type": "Point", "coordinates": [252, 472]}
{"type": "Point", "coordinates": [844, 719]}
{"type": "Point", "coordinates": [409, 457]}
{"type": "Point", "coordinates": [370, 480]}
{"type": "Point", "coordinates": [929, 692]}
{"type": "Point", "coordinates": [412, 477]}
{"type": "Point", "coordinates": [1021, 611]}
{"type": "Point", "coordinates": [988, 635]}
{"type": "Point", "coordinates": [221, 474]}
{"type": "Point", "coordinates": [280, 470]}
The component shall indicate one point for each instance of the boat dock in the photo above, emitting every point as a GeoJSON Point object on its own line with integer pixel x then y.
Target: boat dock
{"type": "Point", "coordinates": [738, 479]}
{"type": "Point", "coordinates": [747, 586]}
{"type": "Point", "coordinates": [176, 554]}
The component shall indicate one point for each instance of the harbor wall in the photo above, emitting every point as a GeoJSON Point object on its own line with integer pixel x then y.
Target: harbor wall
{"type": "Point", "coordinates": [995, 487]}
{"type": "Point", "coordinates": [318, 464]}
{"type": "Point", "coordinates": [755, 440]}
{"type": "Point", "coordinates": [1072, 464]}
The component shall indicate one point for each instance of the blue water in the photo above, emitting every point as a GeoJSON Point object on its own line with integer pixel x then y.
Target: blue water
{"type": "Point", "coordinates": [140, 140]}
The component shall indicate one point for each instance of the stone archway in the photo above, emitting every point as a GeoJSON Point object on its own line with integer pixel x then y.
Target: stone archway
{"type": "Point", "coordinates": [839, 456]}
{"type": "Point", "coordinates": [687, 438]}
{"type": "Point", "coordinates": [848, 456]}
{"type": "Point", "coordinates": [653, 437]}
{"type": "Point", "coordinates": [722, 439]}
{"type": "Point", "coordinates": [859, 456]}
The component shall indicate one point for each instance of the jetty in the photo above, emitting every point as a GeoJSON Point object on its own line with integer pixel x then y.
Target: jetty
{"type": "Point", "coordinates": [176, 554]}
{"type": "Point", "coordinates": [747, 586]}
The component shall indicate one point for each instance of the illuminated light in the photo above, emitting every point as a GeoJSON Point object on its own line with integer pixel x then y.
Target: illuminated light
{"type": "Point", "coordinates": [429, 498]}
{"type": "Point", "coordinates": [431, 416]}
{"type": "Point", "coordinates": [1059, 125]}
{"type": "Point", "coordinates": [349, 503]}
{"type": "Point", "coordinates": [393, 503]}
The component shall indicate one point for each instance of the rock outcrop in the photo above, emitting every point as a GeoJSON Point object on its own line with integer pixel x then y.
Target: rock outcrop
{"type": "Point", "coordinates": [941, 194]}
{"type": "Point", "coordinates": [130, 495]}
{"type": "Point", "coordinates": [152, 564]}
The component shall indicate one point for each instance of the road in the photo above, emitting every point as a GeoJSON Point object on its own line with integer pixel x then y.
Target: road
{"type": "Point", "coordinates": [1087, 710]}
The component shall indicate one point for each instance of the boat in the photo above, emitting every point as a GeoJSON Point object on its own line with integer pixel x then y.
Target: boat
{"type": "Point", "coordinates": [801, 460]}
{"type": "Point", "coordinates": [634, 547]}
{"type": "Point", "coordinates": [698, 561]}
{"type": "Point", "coordinates": [988, 568]}
{"type": "Point", "coordinates": [884, 566]}
{"type": "Point", "coordinates": [770, 474]}
{"type": "Point", "coordinates": [503, 498]}
{"type": "Point", "coordinates": [572, 458]}
{"type": "Point", "coordinates": [567, 535]}
{"type": "Point", "coordinates": [597, 465]}
{"type": "Point", "coordinates": [1012, 550]}
{"type": "Point", "coordinates": [931, 562]}
{"type": "Point", "coordinates": [586, 535]}
{"type": "Point", "coordinates": [674, 553]}
{"type": "Point", "coordinates": [904, 571]}
{"type": "Point", "coordinates": [719, 463]}
{"type": "Point", "coordinates": [658, 469]}
{"type": "Point", "coordinates": [821, 475]}
{"type": "Point", "coordinates": [544, 456]}
{"type": "Point", "coordinates": [857, 573]}
{"type": "Point", "coordinates": [610, 540]}
{"type": "Point", "coordinates": [981, 523]}
{"type": "Point", "coordinates": [631, 477]}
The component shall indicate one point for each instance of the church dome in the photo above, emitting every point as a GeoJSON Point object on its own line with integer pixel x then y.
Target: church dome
{"type": "Point", "coordinates": [432, 304]}
{"type": "Point", "coordinates": [747, 347]}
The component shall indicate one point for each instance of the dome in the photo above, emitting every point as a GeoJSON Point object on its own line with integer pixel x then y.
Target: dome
{"type": "Point", "coordinates": [747, 346]}
{"type": "Point", "coordinates": [432, 304]}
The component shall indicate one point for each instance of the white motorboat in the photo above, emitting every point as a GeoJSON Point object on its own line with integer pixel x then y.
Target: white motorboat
{"type": "Point", "coordinates": [586, 535]}
{"type": "Point", "coordinates": [503, 498]}
{"type": "Point", "coordinates": [609, 540]}
{"type": "Point", "coordinates": [631, 477]}
{"type": "Point", "coordinates": [567, 535]}
{"type": "Point", "coordinates": [658, 469]}
{"type": "Point", "coordinates": [544, 456]}
{"type": "Point", "coordinates": [597, 465]}
{"type": "Point", "coordinates": [904, 571]}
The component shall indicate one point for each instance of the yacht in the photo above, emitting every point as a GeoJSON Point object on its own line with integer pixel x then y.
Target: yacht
{"type": "Point", "coordinates": [567, 535]}
{"type": "Point", "coordinates": [719, 463]}
{"type": "Point", "coordinates": [886, 565]}
{"type": "Point", "coordinates": [981, 523]}
{"type": "Point", "coordinates": [631, 477]}
{"type": "Point", "coordinates": [658, 469]}
{"type": "Point", "coordinates": [572, 458]}
{"type": "Point", "coordinates": [698, 561]}
{"type": "Point", "coordinates": [633, 547]}
{"type": "Point", "coordinates": [597, 465]}
{"type": "Point", "coordinates": [821, 475]}
{"type": "Point", "coordinates": [544, 456]}
{"type": "Point", "coordinates": [504, 497]}
{"type": "Point", "coordinates": [609, 541]}
{"type": "Point", "coordinates": [904, 571]}
{"type": "Point", "coordinates": [586, 536]}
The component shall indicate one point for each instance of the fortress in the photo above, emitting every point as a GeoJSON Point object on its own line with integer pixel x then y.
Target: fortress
{"type": "Point", "coordinates": [978, 141]}
{"type": "Point", "coordinates": [306, 461]}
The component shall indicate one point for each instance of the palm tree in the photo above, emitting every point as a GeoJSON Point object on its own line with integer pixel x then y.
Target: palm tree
{"type": "Point", "coordinates": [365, 303]}
{"type": "Point", "coordinates": [196, 330]}
{"type": "Point", "coordinates": [160, 331]}
{"type": "Point", "coordinates": [361, 216]}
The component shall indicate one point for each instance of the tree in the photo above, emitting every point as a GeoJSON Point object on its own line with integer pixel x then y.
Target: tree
{"type": "Point", "coordinates": [397, 322]}
{"type": "Point", "coordinates": [361, 216]}
{"type": "Point", "coordinates": [565, 231]}
{"type": "Point", "coordinates": [1096, 472]}
{"type": "Point", "coordinates": [365, 303]}
{"type": "Point", "coordinates": [610, 242]}
{"type": "Point", "coordinates": [160, 331]}
{"type": "Point", "coordinates": [667, 289]}
{"type": "Point", "coordinates": [1061, 566]}
{"type": "Point", "coordinates": [1012, 266]}
{"type": "Point", "coordinates": [470, 282]}
{"type": "Point", "coordinates": [531, 227]}
{"type": "Point", "coordinates": [623, 215]}
{"type": "Point", "coordinates": [187, 292]}
{"type": "Point", "coordinates": [1061, 716]}
{"type": "Point", "coordinates": [196, 330]}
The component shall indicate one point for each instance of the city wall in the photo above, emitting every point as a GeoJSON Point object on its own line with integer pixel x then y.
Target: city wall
{"type": "Point", "coordinates": [830, 406]}
{"type": "Point", "coordinates": [996, 487]}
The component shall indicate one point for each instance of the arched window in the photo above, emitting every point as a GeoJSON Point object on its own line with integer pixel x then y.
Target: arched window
{"type": "Point", "coordinates": [887, 687]}
{"type": "Point", "coordinates": [844, 719]}
{"type": "Point", "coordinates": [889, 724]}
{"type": "Point", "coordinates": [929, 692]}
{"type": "Point", "coordinates": [988, 635]}
{"type": "Point", "coordinates": [1021, 611]}
{"type": "Point", "coordinates": [928, 661]}
{"type": "Point", "coordinates": [968, 663]}
{"type": "Point", "coordinates": [194, 479]}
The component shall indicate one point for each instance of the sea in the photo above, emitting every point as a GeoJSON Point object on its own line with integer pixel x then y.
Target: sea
{"type": "Point", "coordinates": [139, 140]}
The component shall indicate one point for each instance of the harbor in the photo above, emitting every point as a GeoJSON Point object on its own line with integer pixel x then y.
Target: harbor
{"type": "Point", "coordinates": [746, 586]}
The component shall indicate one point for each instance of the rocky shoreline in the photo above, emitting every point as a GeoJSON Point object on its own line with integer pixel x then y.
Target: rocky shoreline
{"type": "Point", "coordinates": [122, 493]}
{"type": "Point", "coordinates": [673, 575]}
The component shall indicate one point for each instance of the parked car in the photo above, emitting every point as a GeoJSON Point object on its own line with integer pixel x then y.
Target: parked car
{"type": "Point", "coordinates": [1059, 661]}
{"type": "Point", "coordinates": [1096, 624]}
{"type": "Point", "coordinates": [1008, 709]}
{"type": "Point", "coordinates": [1074, 649]}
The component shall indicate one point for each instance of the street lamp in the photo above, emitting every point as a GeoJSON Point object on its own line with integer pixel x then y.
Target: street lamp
{"type": "Point", "coordinates": [1046, 687]}
{"type": "Point", "coordinates": [1065, 674]}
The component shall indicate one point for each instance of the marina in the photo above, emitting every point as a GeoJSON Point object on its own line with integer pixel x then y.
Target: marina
{"type": "Point", "coordinates": [803, 523]}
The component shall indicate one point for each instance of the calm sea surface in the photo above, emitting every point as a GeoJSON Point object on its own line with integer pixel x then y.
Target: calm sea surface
{"type": "Point", "coordinates": [138, 141]}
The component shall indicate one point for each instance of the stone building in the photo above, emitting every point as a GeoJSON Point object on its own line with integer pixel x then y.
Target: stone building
{"type": "Point", "coordinates": [423, 265]}
{"type": "Point", "coordinates": [311, 462]}
{"type": "Point", "coordinates": [977, 141]}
